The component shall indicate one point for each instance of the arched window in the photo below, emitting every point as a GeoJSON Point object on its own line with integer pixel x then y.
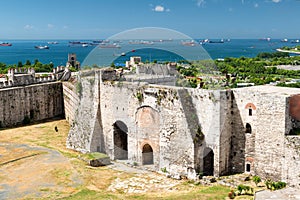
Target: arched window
{"type": "Point", "coordinates": [250, 111]}
{"type": "Point", "coordinates": [248, 167]}
{"type": "Point", "coordinates": [248, 128]}
{"type": "Point", "coordinates": [250, 107]}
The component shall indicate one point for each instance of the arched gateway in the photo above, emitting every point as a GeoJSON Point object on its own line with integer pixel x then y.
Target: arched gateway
{"type": "Point", "coordinates": [120, 140]}
{"type": "Point", "coordinates": [147, 155]}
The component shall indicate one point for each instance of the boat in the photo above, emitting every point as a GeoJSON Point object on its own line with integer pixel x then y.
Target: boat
{"type": "Point", "coordinates": [85, 45]}
{"type": "Point", "coordinates": [265, 39]}
{"type": "Point", "coordinates": [41, 47]}
{"type": "Point", "coordinates": [145, 42]}
{"type": "Point", "coordinates": [295, 41]}
{"type": "Point", "coordinates": [191, 43]}
{"type": "Point", "coordinates": [114, 45]}
{"type": "Point", "coordinates": [284, 40]}
{"type": "Point", "coordinates": [5, 44]}
{"type": "Point", "coordinates": [216, 41]}
{"type": "Point", "coordinates": [75, 42]}
{"type": "Point", "coordinates": [54, 42]}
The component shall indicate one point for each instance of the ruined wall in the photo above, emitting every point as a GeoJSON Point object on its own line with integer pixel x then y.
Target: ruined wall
{"type": "Point", "coordinates": [180, 125]}
{"type": "Point", "coordinates": [291, 165]}
{"type": "Point", "coordinates": [20, 105]}
{"type": "Point", "coordinates": [71, 100]}
{"type": "Point", "coordinates": [85, 133]}
{"type": "Point", "coordinates": [259, 133]}
{"type": "Point", "coordinates": [213, 124]}
{"type": "Point", "coordinates": [187, 131]}
{"type": "Point", "coordinates": [225, 131]}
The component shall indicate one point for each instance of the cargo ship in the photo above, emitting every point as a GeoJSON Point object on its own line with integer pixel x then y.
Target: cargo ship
{"type": "Point", "coordinates": [5, 44]}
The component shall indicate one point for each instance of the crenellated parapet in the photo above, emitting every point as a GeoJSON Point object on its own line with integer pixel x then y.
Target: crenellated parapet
{"type": "Point", "coordinates": [27, 76]}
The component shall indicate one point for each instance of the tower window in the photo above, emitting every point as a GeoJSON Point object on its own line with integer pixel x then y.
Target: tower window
{"type": "Point", "coordinates": [248, 167]}
{"type": "Point", "coordinates": [250, 111]}
{"type": "Point", "coordinates": [248, 128]}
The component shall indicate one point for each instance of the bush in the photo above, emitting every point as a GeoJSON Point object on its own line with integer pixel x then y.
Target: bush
{"type": "Point", "coordinates": [244, 189]}
{"type": "Point", "coordinates": [164, 170]}
{"type": "Point", "coordinates": [272, 185]}
{"type": "Point", "coordinates": [256, 179]}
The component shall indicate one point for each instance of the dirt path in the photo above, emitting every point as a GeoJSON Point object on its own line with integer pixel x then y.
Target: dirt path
{"type": "Point", "coordinates": [34, 172]}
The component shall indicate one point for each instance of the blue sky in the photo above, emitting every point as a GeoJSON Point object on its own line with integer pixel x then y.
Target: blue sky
{"type": "Point", "coordinates": [98, 19]}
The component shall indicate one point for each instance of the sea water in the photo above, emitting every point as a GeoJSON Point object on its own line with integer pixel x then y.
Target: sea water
{"type": "Point", "coordinates": [23, 50]}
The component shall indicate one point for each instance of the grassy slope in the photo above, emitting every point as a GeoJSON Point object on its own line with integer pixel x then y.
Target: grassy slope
{"type": "Point", "coordinates": [95, 180]}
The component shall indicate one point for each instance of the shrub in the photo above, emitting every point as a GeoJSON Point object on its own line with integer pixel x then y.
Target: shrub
{"type": "Point", "coordinates": [256, 179]}
{"type": "Point", "coordinates": [244, 189]}
{"type": "Point", "coordinates": [272, 185]}
{"type": "Point", "coordinates": [140, 97]}
{"type": "Point", "coordinates": [164, 170]}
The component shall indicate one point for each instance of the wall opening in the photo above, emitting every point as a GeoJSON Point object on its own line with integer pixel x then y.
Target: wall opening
{"type": "Point", "coordinates": [250, 111]}
{"type": "Point", "coordinates": [147, 155]}
{"type": "Point", "coordinates": [120, 140]}
{"type": "Point", "coordinates": [248, 167]}
{"type": "Point", "coordinates": [208, 162]}
{"type": "Point", "coordinates": [248, 128]}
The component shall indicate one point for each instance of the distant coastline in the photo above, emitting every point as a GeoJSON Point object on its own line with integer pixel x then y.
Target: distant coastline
{"type": "Point", "coordinates": [288, 51]}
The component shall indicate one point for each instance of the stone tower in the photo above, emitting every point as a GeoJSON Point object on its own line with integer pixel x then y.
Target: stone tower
{"type": "Point", "coordinates": [72, 60]}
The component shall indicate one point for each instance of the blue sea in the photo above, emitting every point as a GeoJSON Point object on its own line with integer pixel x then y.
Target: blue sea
{"type": "Point", "coordinates": [23, 50]}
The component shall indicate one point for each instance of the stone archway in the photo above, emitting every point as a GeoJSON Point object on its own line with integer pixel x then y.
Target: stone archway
{"type": "Point", "coordinates": [147, 155]}
{"type": "Point", "coordinates": [120, 140]}
{"type": "Point", "coordinates": [208, 162]}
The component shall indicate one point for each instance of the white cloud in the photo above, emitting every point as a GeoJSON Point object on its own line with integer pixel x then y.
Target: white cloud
{"type": "Point", "coordinates": [276, 1]}
{"type": "Point", "coordinates": [256, 5]}
{"type": "Point", "coordinates": [28, 27]}
{"type": "Point", "coordinates": [200, 3]}
{"type": "Point", "coordinates": [159, 8]}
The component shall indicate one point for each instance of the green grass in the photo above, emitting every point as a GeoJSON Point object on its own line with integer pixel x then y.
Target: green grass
{"type": "Point", "coordinates": [94, 155]}
{"type": "Point", "coordinates": [206, 193]}
{"type": "Point", "coordinates": [90, 195]}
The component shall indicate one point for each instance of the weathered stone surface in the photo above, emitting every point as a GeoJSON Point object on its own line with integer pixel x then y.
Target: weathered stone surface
{"type": "Point", "coordinates": [20, 105]}
{"type": "Point", "coordinates": [99, 162]}
{"type": "Point", "coordinates": [190, 132]}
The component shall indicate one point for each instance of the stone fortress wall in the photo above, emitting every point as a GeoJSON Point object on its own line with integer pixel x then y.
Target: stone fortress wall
{"type": "Point", "coordinates": [24, 104]}
{"type": "Point", "coordinates": [182, 130]}
{"type": "Point", "coordinates": [188, 131]}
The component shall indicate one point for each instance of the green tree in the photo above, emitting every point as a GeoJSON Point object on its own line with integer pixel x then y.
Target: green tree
{"type": "Point", "coordinates": [28, 62]}
{"type": "Point", "coordinates": [20, 64]}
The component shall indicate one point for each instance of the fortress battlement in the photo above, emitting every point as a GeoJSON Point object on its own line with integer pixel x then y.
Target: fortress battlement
{"type": "Point", "coordinates": [27, 76]}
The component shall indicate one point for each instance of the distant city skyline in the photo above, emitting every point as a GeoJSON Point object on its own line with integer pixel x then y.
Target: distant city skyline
{"type": "Point", "coordinates": [100, 19]}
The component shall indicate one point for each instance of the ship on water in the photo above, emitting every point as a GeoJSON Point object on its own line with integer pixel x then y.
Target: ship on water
{"type": "Point", "coordinates": [114, 45]}
{"type": "Point", "coordinates": [41, 47]}
{"type": "Point", "coordinates": [5, 44]}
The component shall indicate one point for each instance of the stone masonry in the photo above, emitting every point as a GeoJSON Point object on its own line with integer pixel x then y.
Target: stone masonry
{"type": "Point", "coordinates": [186, 131]}
{"type": "Point", "coordinates": [24, 104]}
